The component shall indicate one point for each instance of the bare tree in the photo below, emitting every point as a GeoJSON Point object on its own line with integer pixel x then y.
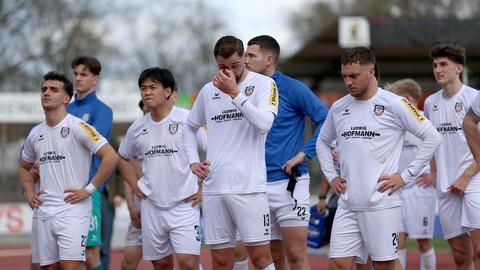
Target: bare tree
{"type": "Point", "coordinates": [179, 38]}
{"type": "Point", "coordinates": [38, 36]}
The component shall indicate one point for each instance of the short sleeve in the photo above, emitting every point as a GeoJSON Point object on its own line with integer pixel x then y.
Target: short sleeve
{"type": "Point", "coordinates": [127, 149]}
{"type": "Point", "coordinates": [28, 152]}
{"type": "Point", "coordinates": [89, 136]}
{"type": "Point", "coordinates": [196, 118]}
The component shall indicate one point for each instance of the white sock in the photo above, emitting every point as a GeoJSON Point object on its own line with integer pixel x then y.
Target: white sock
{"type": "Point", "coordinates": [428, 261]}
{"type": "Point", "coordinates": [270, 267]}
{"type": "Point", "coordinates": [241, 265]}
{"type": "Point", "coordinates": [402, 256]}
{"type": "Point", "coordinates": [200, 267]}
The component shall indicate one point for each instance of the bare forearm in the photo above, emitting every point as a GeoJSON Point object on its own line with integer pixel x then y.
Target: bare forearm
{"type": "Point", "coordinates": [472, 134]}
{"type": "Point", "coordinates": [127, 171]}
{"type": "Point", "coordinates": [471, 170]}
{"type": "Point", "coordinates": [128, 196]}
{"type": "Point", "coordinates": [107, 165]}
{"type": "Point", "coordinates": [26, 179]}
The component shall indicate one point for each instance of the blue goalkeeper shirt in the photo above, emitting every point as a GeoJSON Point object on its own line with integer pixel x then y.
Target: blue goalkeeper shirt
{"type": "Point", "coordinates": [97, 114]}
{"type": "Point", "coordinates": [286, 137]}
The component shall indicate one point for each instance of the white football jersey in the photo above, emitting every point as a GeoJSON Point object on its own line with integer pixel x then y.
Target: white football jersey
{"type": "Point", "coordinates": [370, 135]}
{"type": "Point", "coordinates": [167, 177]}
{"type": "Point", "coordinates": [453, 156]}
{"type": "Point", "coordinates": [476, 105]}
{"type": "Point", "coordinates": [409, 151]}
{"type": "Point", "coordinates": [236, 149]}
{"type": "Point", "coordinates": [64, 154]}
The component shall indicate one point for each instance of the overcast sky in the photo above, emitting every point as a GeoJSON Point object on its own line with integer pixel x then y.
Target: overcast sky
{"type": "Point", "coordinates": [249, 18]}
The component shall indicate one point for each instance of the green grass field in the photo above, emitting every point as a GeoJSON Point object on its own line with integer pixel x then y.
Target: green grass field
{"type": "Point", "coordinates": [438, 244]}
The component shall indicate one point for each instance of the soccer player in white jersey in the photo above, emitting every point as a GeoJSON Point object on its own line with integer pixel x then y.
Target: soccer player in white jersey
{"type": "Point", "coordinates": [62, 145]}
{"type": "Point", "coordinates": [470, 127]}
{"type": "Point", "coordinates": [238, 107]}
{"type": "Point", "coordinates": [369, 125]}
{"type": "Point", "coordinates": [170, 224]}
{"type": "Point", "coordinates": [457, 180]}
{"type": "Point", "coordinates": [419, 197]}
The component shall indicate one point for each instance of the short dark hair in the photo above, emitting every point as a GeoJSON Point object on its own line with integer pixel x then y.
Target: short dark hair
{"type": "Point", "coordinates": [268, 43]}
{"type": "Point", "coordinates": [454, 52]}
{"type": "Point", "coordinates": [90, 62]}
{"type": "Point", "coordinates": [159, 75]}
{"type": "Point", "coordinates": [360, 55]}
{"type": "Point", "coordinates": [226, 46]}
{"type": "Point", "coordinates": [54, 76]}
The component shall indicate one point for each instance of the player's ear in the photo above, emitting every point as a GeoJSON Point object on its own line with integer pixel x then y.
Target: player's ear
{"type": "Point", "coordinates": [66, 99]}
{"type": "Point", "coordinates": [269, 60]}
{"type": "Point", "coordinates": [459, 68]}
{"type": "Point", "coordinates": [168, 92]}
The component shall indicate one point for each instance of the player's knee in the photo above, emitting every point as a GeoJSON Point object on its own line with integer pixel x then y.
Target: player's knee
{"type": "Point", "coordinates": [163, 264]}
{"type": "Point", "coordinates": [424, 245]}
{"type": "Point", "coordinates": [221, 262]}
{"type": "Point", "coordinates": [384, 265]}
{"type": "Point", "coordinates": [188, 262]}
{"type": "Point", "coordinates": [334, 264]}
{"type": "Point", "coordinates": [461, 256]}
{"type": "Point", "coordinates": [476, 250]}
{"type": "Point", "coordinates": [296, 254]}
{"type": "Point", "coordinates": [128, 264]}
{"type": "Point", "coordinates": [262, 262]}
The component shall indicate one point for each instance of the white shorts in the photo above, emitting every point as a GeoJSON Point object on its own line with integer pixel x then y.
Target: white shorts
{"type": "Point", "coordinates": [134, 236]}
{"type": "Point", "coordinates": [169, 230]}
{"type": "Point", "coordinates": [450, 209]}
{"type": "Point", "coordinates": [418, 214]}
{"type": "Point", "coordinates": [471, 211]}
{"type": "Point", "coordinates": [359, 233]}
{"type": "Point", "coordinates": [283, 209]}
{"type": "Point", "coordinates": [226, 214]}
{"type": "Point", "coordinates": [62, 238]}
{"type": "Point", "coordinates": [34, 241]}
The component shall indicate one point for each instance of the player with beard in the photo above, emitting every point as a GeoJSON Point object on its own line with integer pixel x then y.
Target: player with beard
{"type": "Point", "coordinates": [238, 107]}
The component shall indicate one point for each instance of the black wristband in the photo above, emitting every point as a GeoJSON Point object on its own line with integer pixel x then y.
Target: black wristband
{"type": "Point", "coordinates": [322, 197]}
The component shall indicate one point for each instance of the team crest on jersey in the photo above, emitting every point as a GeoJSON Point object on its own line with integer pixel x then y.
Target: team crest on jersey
{"type": "Point", "coordinates": [249, 90]}
{"type": "Point", "coordinates": [65, 131]}
{"type": "Point", "coordinates": [378, 110]}
{"type": "Point", "coordinates": [173, 128]}
{"type": "Point", "coordinates": [86, 117]}
{"type": "Point", "coordinates": [458, 106]}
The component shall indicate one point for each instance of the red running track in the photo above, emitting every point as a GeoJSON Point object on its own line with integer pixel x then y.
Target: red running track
{"type": "Point", "coordinates": [19, 259]}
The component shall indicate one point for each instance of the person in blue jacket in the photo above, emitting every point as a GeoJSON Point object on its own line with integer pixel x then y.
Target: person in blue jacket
{"type": "Point", "coordinates": [285, 152]}
{"type": "Point", "coordinates": [87, 106]}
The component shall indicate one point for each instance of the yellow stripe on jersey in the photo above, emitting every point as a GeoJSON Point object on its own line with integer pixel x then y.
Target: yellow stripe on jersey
{"type": "Point", "coordinates": [274, 95]}
{"type": "Point", "coordinates": [420, 118]}
{"type": "Point", "coordinates": [90, 131]}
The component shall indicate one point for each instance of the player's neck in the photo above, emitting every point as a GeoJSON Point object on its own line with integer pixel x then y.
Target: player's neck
{"type": "Point", "coordinates": [159, 113]}
{"type": "Point", "coordinates": [53, 117]}
{"type": "Point", "coordinates": [269, 71]}
{"type": "Point", "coordinates": [371, 91]}
{"type": "Point", "coordinates": [451, 89]}
{"type": "Point", "coordinates": [81, 96]}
